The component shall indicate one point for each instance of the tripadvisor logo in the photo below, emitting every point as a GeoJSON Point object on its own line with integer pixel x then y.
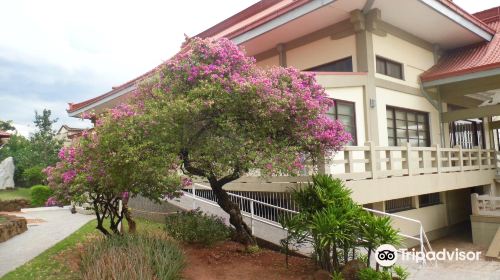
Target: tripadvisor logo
{"type": "Point", "coordinates": [386, 255]}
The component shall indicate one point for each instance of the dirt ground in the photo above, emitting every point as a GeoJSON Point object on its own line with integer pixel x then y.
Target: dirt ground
{"type": "Point", "coordinates": [228, 260]}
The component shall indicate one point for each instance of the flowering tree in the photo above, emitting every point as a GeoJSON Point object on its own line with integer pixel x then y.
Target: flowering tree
{"type": "Point", "coordinates": [111, 163]}
{"type": "Point", "coordinates": [218, 116]}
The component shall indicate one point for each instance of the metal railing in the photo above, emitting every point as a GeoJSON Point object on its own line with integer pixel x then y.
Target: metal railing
{"type": "Point", "coordinates": [424, 244]}
{"type": "Point", "coordinates": [257, 210]}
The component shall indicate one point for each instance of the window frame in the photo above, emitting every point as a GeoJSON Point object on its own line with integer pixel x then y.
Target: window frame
{"type": "Point", "coordinates": [311, 69]}
{"type": "Point", "coordinates": [394, 126]}
{"type": "Point", "coordinates": [336, 115]}
{"type": "Point", "coordinates": [386, 61]}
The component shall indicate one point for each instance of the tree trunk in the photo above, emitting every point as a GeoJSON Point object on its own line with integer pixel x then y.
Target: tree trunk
{"type": "Point", "coordinates": [128, 216]}
{"type": "Point", "coordinates": [243, 232]}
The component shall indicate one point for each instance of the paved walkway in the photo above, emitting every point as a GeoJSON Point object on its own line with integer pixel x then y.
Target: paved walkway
{"type": "Point", "coordinates": [481, 269]}
{"type": "Point", "coordinates": [46, 227]}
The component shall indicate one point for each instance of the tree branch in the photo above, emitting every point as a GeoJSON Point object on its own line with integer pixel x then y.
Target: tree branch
{"type": "Point", "coordinates": [187, 164]}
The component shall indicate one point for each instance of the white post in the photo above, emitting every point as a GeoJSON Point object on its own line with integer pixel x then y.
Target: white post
{"type": "Point", "coordinates": [193, 188]}
{"type": "Point", "coordinates": [120, 209]}
{"type": "Point", "coordinates": [422, 241]}
{"type": "Point", "coordinates": [251, 216]}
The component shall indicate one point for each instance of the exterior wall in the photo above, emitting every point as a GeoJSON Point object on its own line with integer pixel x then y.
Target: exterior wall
{"type": "Point", "coordinates": [389, 97]}
{"type": "Point", "coordinates": [272, 61]}
{"type": "Point", "coordinates": [322, 51]}
{"type": "Point", "coordinates": [432, 218]}
{"type": "Point", "coordinates": [415, 59]}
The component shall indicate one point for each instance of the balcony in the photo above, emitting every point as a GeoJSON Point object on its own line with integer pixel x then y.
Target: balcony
{"type": "Point", "coordinates": [377, 173]}
{"type": "Point", "coordinates": [382, 173]}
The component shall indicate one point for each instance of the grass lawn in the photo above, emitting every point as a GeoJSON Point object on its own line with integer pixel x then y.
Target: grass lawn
{"type": "Point", "coordinates": [2, 219]}
{"type": "Point", "coordinates": [15, 193]}
{"type": "Point", "coordinates": [50, 265]}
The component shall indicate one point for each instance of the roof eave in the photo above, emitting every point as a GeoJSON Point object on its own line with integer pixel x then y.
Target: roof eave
{"type": "Point", "coordinates": [488, 71]}
{"type": "Point", "coordinates": [79, 111]}
{"type": "Point", "coordinates": [484, 31]}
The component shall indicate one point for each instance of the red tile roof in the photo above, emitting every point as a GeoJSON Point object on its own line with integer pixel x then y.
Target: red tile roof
{"type": "Point", "coordinates": [470, 59]}
{"type": "Point", "coordinates": [4, 134]}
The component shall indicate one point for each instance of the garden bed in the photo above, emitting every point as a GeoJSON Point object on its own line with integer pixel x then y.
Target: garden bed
{"type": "Point", "coordinates": [11, 226]}
{"type": "Point", "coordinates": [229, 260]}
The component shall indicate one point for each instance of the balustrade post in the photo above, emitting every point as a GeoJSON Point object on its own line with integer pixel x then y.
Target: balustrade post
{"type": "Point", "coordinates": [460, 157]}
{"type": "Point", "coordinates": [407, 156]}
{"type": "Point", "coordinates": [348, 161]}
{"type": "Point", "coordinates": [437, 158]}
{"type": "Point", "coordinates": [371, 166]}
{"type": "Point", "coordinates": [474, 203]}
{"type": "Point", "coordinates": [479, 157]}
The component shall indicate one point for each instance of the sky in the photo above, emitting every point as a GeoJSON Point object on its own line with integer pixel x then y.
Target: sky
{"type": "Point", "coordinates": [53, 52]}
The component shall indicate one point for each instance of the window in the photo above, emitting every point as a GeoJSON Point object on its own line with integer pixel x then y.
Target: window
{"type": "Point", "coordinates": [344, 112]}
{"type": "Point", "coordinates": [405, 125]}
{"type": "Point", "coordinates": [389, 68]}
{"type": "Point", "coordinates": [341, 65]}
{"type": "Point", "coordinates": [398, 205]}
{"type": "Point", "coordinates": [429, 199]}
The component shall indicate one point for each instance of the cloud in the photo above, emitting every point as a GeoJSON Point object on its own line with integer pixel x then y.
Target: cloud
{"type": "Point", "coordinates": [25, 88]}
{"type": "Point", "coordinates": [55, 51]}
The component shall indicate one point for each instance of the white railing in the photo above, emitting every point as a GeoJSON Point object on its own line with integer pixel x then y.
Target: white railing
{"type": "Point", "coordinates": [253, 209]}
{"type": "Point", "coordinates": [423, 241]}
{"type": "Point", "coordinates": [485, 205]}
{"type": "Point", "coordinates": [269, 213]}
{"type": "Point", "coordinates": [374, 162]}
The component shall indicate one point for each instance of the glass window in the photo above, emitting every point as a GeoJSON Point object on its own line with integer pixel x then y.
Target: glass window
{"type": "Point", "coordinates": [344, 112]}
{"type": "Point", "coordinates": [342, 65]}
{"type": "Point", "coordinates": [397, 205]}
{"type": "Point", "coordinates": [405, 125]}
{"type": "Point", "coordinates": [389, 68]}
{"type": "Point", "coordinates": [429, 199]}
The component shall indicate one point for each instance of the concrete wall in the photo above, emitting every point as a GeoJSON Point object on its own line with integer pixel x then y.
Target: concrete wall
{"type": "Point", "coordinates": [432, 218]}
{"type": "Point", "coordinates": [322, 51]}
{"type": "Point", "coordinates": [484, 229]}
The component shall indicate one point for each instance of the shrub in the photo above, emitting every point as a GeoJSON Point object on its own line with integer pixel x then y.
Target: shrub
{"type": "Point", "coordinates": [33, 176]}
{"type": "Point", "coordinates": [392, 273]}
{"type": "Point", "coordinates": [39, 195]}
{"type": "Point", "coordinates": [51, 201]}
{"type": "Point", "coordinates": [197, 227]}
{"type": "Point", "coordinates": [334, 224]}
{"type": "Point", "coordinates": [140, 256]}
